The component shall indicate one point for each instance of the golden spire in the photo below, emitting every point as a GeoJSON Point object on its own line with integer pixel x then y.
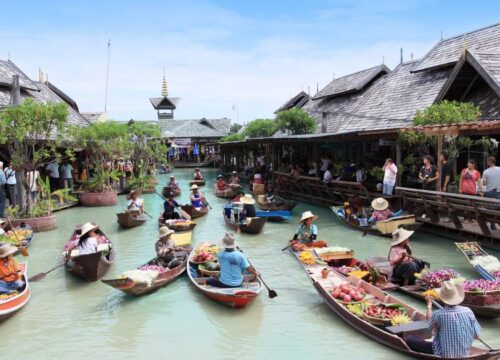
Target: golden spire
{"type": "Point", "coordinates": [164, 91]}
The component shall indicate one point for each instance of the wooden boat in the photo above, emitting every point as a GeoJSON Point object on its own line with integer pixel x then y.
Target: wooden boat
{"type": "Point", "coordinates": [232, 297]}
{"type": "Point", "coordinates": [167, 189]}
{"type": "Point", "coordinates": [129, 286]}
{"type": "Point", "coordinates": [382, 228]}
{"type": "Point", "coordinates": [182, 225]}
{"type": "Point", "coordinates": [197, 182]}
{"type": "Point", "coordinates": [25, 233]}
{"type": "Point", "coordinates": [472, 250]}
{"type": "Point", "coordinates": [91, 267]}
{"type": "Point", "coordinates": [484, 311]}
{"type": "Point", "coordinates": [281, 215]}
{"type": "Point", "coordinates": [254, 226]}
{"type": "Point", "coordinates": [225, 194]}
{"type": "Point", "coordinates": [288, 205]}
{"type": "Point", "coordinates": [195, 212]}
{"type": "Point", "coordinates": [12, 304]}
{"type": "Point", "coordinates": [391, 336]}
{"type": "Point", "coordinates": [130, 219]}
{"type": "Point", "coordinates": [164, 170]}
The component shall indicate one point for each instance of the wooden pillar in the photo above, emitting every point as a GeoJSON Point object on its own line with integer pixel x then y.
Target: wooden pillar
{"type": "Point", "coordinates": [398, 162]}
{"type": "Point", "coordinates": [439, 165]}
{"type": "Point", "coordinates": [317, 156]}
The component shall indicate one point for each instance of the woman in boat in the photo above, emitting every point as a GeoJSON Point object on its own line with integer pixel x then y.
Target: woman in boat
{"type": "Point", "coordinates": [454, 327]}
{"type": "Point", "coordinates": [381, 210]}
{"type": "Point", "coordinates": [169, 207]}
{"type": "Point", "coordinates": [234, 181]}
{"type": "Point", "coordinates": [248, 206]}
{"type": "Point", "coordinates": [197, 174]}
{"type": "Point", "coordinates": [197, 198]}
{"type": "Point", "coordinates": [87, 243]}
{"type": "Point", "coordinates": [307, 232]}
{"type": "Point", "coordinates": [400, 256]}
{"type": "Point", "coordinates": [10, 278]}
{"type": "Point", "coordinates": [135, 203]}
{"type": "Point", "coordinates": [233, 264]}
{"type": "Point", "coordinates": [173, 184]}
{"type": "Point", "coordinates": [165, 249]}
{"type": "Point", "coordinates": [221, 183]}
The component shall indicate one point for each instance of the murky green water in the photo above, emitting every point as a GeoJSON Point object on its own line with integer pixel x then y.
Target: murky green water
{"type": "Point", "coordinates": [68, 318]}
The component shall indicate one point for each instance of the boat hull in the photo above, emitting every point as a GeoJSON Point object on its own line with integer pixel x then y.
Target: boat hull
{"type": "Point", "coordinates": [10, 307]}
{"type": "Point", "coordinates": [194, 212]}
{"type": "Point", "coordinates": [197, 182]}
{"type": "Point", "coordinates": [127, 220]}
{"type": "Point", "coordinates": [168, 189]}
{"type": "Point", "coordinates": [255, 227]}
{"type": "Point", "coordinates": [289, 205]}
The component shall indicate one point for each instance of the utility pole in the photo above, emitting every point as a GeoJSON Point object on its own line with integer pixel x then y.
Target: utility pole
{"type": "Point", "coordinates": [107, 77]}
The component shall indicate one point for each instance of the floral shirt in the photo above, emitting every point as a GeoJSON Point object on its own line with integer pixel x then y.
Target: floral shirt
{"type": "Point", "coordinates": [381, 215]}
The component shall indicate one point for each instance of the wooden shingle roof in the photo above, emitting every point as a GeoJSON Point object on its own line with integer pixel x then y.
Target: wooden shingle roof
{"type": "Point", "coordinates": [195, 128]}
{"type": "Point", "coordinates": [164, 103]}
{"type": "Point", "coordinates": [298, 101]}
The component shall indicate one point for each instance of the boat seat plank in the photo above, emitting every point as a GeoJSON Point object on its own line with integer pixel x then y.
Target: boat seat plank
{"type": "Point", "coordinates": [413, 326]}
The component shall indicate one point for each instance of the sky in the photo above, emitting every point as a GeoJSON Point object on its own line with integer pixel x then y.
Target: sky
{"type": "Point", "coordinates": [252, 55]}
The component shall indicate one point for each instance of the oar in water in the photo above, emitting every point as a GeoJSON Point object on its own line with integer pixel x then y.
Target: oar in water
{"type": "Point", "coordinates": [41, 276]}
{"type": "Point", "coordinates": [148, 214]}
{"type": "Point", "coordinates": [438, 305]}
{"type": "Point", "coordinates": [270, 292]}
{"type": "Point", "coordinates": [22, 249]}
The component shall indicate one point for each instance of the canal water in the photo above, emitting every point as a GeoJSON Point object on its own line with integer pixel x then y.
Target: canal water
{"type": "Point", "coordinates": [68, 318]}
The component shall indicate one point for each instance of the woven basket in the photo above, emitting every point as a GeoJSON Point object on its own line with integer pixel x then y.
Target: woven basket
{"type": "Point", "coordinates": [482, 298]}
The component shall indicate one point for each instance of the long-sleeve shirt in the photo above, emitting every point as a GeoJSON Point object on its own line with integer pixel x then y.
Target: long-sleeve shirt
{"type": "Point", "coordinates": [3, 180]}
{"type": "Point", "coordinates": [170, 205]}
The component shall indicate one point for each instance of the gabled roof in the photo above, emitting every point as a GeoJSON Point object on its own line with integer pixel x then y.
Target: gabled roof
{"type": "Point", "coordinates": [352, 82]}
{"type": "Point", "coordinates": [448, 51]}
{"type": "Point", "coordinates": [63, 96]}
{"type": "Point", "coordinates": [165, 103]}
{"type": "Point", "coordinates": [487, 64]}
{"type": "Point", "coordinates": [7, 69]}
{"type": "Point", "coordinates": [93, 117]}
{"type": "Point", "coordinates": [195, 128]}
{"type": "Point", "coordinates": [298, 101]}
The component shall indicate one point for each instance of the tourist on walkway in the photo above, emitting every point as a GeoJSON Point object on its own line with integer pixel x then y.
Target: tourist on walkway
{"type": "Point", "coordinates": [491, 181]}
{"type": "Point", "coordinates": [53, 170]}
{"type": "Point", "coordinates": [445, 172]}
{"type": "Point", "coordinates": [390, 174]}
{"type": "Point", "coordinates": [169, 207]}
{"type": "Point", "coordinates": [307, 232]}
{"type": "Point", "coordinates": [197, 174]}
{"type": "Point", "coordinates": [67, 175]}
{"type": "Point", "coordinates": [400, 257]}
{"type": "Point", "coordinates": [327, 177]}
{"type": "Point", "coordinates": [135, 203]}
{"type": "Point", "coordinates": [2, 191]}
{"type": "Point", "coordinates": [454, 327]}
{"type": "Point", "coordinates": [361, 174]}
{"type": "Point", "coordinates": [325, 163]}
{"type": "Point", "coordinates": [197, 198]}
{"type": "Point", "coordinates": [428, 174]}
{"type": "Point", "coordinates": [381, 210]}
{"type": "Point", "coordinates": [165, 248]}
{"type": "Point", "coordinates": [470, 179]}
{"type": "Point", "coordinates": [294, 171]}
{"type": "Point", "coordinates": [10, 278]}
{"type": "Point", "coordinates": [10, 184]}
{"type": "Point", "coordinates": [87, 243]}
{"type": "Point", "coordinates": [233, 264]}
{"type": "Point", "coordinates": [32, 179]}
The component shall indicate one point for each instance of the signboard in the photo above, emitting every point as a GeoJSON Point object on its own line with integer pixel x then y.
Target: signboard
{"type": "Point", "coordinates": [181, 142]}
{"type": "Point", "coordinates": [383, 142]}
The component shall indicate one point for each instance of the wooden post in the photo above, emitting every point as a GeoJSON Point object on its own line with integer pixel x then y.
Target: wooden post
{"type": "Point", "coordinates": [398, 162]}
{"type": "Point", "coordinates": [317, 156]}
{"type": "Point", "coordinates": [439, 165]}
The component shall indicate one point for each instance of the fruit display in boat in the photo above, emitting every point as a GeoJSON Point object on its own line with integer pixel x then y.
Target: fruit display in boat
{"type": "Point", "coordinates": [348, 293]}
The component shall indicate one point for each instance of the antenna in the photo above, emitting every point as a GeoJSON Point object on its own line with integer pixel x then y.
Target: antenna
{"type": "Point", "coordinates": [411, 56]}
{"type": "Point", "coordinates": [107, 77]}
{"type": "Point", "coordinates": [383, 60]}
{"type": "Point", "coordinates": [317, 87]}
{"type": "Point", "coordinates": [441, 34]}
{"type": "Point", "coordinates": [401, 55]}
{"type": "Point", "coordinates": [333, 76]}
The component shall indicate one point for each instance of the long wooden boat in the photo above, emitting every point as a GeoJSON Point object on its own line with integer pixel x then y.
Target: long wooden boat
{"type": "Point", "coordinates": [12, 304]}
{"type": "Point", "coordinates": [288, 205]}
{"type": "Point", "coordinates": [225, 194]}
{"type": "Point", "coordinates": [129, 286]}
{"type": "Point", "coordinates": [167, 189]}
{"type": "Point", "coordinates": [130, 219]}
{"type": "Point", "coordinates": [25, 234]}
{"type": "Point", "coordinates": [485, 311]}
{"type": "Point", "coordinates": [91, 267]}
{"type": "Point", "coordinates": [195, 212]}
{"type": "Point", "coordinates": [254, 227]}
{"type": "Point", "coordinates": [182, 225]}
{"type": "Point", "coordinates": [391, 336]}
{"type": "Point", "coordinates": [233, 297]}
{"type": "Point", "coordinates": [472, 251]}
{"type": "Point", "coordinates": [197, 182]}
{"type": "Point", "coordinates": [277, 216]}
{"type": "Point", "coordinates": [405, 221]}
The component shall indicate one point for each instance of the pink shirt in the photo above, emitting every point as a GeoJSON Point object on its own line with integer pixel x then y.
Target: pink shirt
{"type": "Point", "coordinates": [395, 254]}
{"type": "Point", "coordinates": [381, 215]}
{"type": "Point", "coordinates": [469, 182]}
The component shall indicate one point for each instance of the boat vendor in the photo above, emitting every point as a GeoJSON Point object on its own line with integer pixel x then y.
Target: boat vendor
{"type": "Point", "coordinates": [165, 249]}
{"type": "Point", "coordinates": [10, 278]}
{"type": "Point", "coordinates": [87, 243]}
{"type": "Point", "coordinates": [135, 203]}
{"type": "Point", "coordinates": [197, 174]}
{"type": "Point", "coordinates": [307, 232]}
{"type": "Point", "coordinates": [220, 183]}
{"type": "Point", "coordinates": [381, 210]}
{"type": "Point", "coordinates": [169, 207]}
{"type": "Point", "coordinates": [233, 264]}
{"type": "Point", "coordinates": [248, 206]}
{"type": "Point", "coordinates": [173, 183]}
{"type": "Point", "coordinates": [197, 198]}
{"type": "Point", "coordinates": [400, 256]}
{"type": "Point", "coordinates": [239, 194]}
{"type": "Point", "coordinates": [454, 327]}
{"type": "Point", "coordinates": [234, 180]}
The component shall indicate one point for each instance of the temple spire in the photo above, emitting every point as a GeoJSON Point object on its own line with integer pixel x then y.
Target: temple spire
{"type": "Point", "coordinates": [164, 91]}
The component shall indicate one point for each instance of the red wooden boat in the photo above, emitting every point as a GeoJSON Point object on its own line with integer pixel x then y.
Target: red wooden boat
{"type": "Point", "coordinates": [229, 193]}
{"type": "Point", "coordinates": [195, 212]}
{"type": "Point", "coordinates": [9, 306]}
{"type": "Point", "coordinates": [232, 297]}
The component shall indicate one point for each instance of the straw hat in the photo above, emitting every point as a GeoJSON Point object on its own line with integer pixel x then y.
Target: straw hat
{"type": "Point", "coordinates": [220, 176]}
{"type": "Point", "coordinates": [228, 241]}
{"type": "Point", "coordinates": [87, 227]}
{"type": "Point", "coordinates": [164, 231]}
{"type": "Point", "coordinates": [400, 235]}
{"type": "Point", "coordinates": [234, 172]}
{"type": "Point", "coordinates": [194, 186]}
{"type": "Point", "coordinates": [380, 204]}
{"type": "Point", "coordinates": [6, 250]}
{"type": "Point", "coordinates": [451, 294]}
{"type": "Point", "coordinates": [136, 192]}
{"type": "Point", "coordinates": [307, 215]}
{"type": "Point", "coordinates": [247, 199]}
{"type": "Point", "coordinates": [172, 176]}
{"type": "Point", "coordinates": [2, 221]}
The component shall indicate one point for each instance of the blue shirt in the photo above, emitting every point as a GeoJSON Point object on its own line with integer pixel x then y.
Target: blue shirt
{"type": "Point", "coordinates": [3, 180]}
{"type": "Point", "coordinates": [457, 327]}
{"type": "Point", "coordinates": [232, 265]}
{"type": "Point", "coordinates": [302, 229]}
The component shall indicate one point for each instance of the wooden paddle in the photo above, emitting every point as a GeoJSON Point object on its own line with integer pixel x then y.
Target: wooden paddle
{"type": "Point", "coordinates": [270, 292]}
{"type": "Point", "coordinates": [184, 214]}
{"type": "Point", "coordinates": [147, 214]}
{"type": "Point", "coordinates": [41, 276]}
{"type": "Point", "coordinates": [22, 249]}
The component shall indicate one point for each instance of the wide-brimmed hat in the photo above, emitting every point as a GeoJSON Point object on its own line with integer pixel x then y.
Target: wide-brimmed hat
{"type": "Point", "coordinates": [234, 172]}
{"type": "Point", "coordinates": [6, 250]}
{"type": "Point", "coordinates": [87, 227]}
{"type": "Point", "coordinates": [2, 221]}
{"type": "Point", "coordinates": [172, 176]}
{"type": "Point", "coordinates": [307, 215]}
{"type": "Point", "coordinates": [194, 186]}
{"type": "Point", "coordinates": [220, 176]}
{"type": "Point", "coordinates": [380, 204]}
{"type": "Point", "coordinates": [164, 231]}
{"type": "Point", "coordinates": [247, 199]}
{"type": "Point", "coordinates": [229, 241]}
{"type": "Point", "coordinates": [400, 235]}
{"type": "Point", "coordinates": [450, 293]}
{"type": "Point", "coordinates": [133, 192]}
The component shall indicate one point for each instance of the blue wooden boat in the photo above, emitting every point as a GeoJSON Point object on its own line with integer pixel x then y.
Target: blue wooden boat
{"type": "Point", "coordinates": [279, 215]}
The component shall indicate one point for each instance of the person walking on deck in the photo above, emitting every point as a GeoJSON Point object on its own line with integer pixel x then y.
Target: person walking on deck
{"type": "Point", "coordinates": [327, 177]}
{"type": "Point", "coordinates": [445, 172]}
{"type": "Point", "coordinates": [470, 179]}
{"type": "Point", "coordinates": [67, 175]}
{"type": "Point", "coordinates": [10, 177]}
{"type": "Point", "coordinates": [491, 181]}
{"type": "Point", "coordinates": [53, 170]}
{"type": "Point", "coordinates": [429, 174]}
{"type": "Point", "coordinates": [390, 174]}
{"type": "Point", "coordinates": [2, 191]}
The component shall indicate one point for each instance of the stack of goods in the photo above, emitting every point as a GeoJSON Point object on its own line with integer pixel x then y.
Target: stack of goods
{"type": "Point", "coordinates": [205, 254]}
{"type": "Point", "coordinates": [348, 294]}
{"type": "Point", "coordinates": [490, 263]}
{"type": "Point", "coordinates": [346, 270]}
{"type": "Point", "coordinates": [482, 292]}
{"type": "Point", "coordinates": [386, 314]}
{"type": "Point", "coordinates": [142, 276]}
{"type": "Point", "coordinates": [306, 257]}
{"type": "Point", "coordinates": [434, 279]}
{"type": "Point", "coordinates": [334, 252]}
{"type": "Point", "coordinates": [12, 236]}
{"type": "Point", "coordinates": [4, 297]}
{"type": "Point", "coordinates": [178, 222]}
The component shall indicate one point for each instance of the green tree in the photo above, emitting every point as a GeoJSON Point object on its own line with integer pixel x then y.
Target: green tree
{"type": "Point", "coordinates": [447, 112]}
{"type": "Point", "coordinates": [260, 128]}
{"type": "Point", "coordinates": [233, 137]}
{"type": "Point", "coordinates": [295, 122]}
{"type": "Point", "coordinates": [235, 128]}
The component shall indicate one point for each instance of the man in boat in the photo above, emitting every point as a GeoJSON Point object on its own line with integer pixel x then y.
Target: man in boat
{"type": "Point", "coordinates": [169, 207]}
{"type": "Point", "coordinates": [381, 210]}
{"type": "Point", "coordinates": [307, 232]}
{"type": "Point", "coordinates": [173, 183]}
{"type": "Point", "coordinates": [233, 264]}
{"type": "Point", "coordinates": [135, 203]}
{"type": "Point", "coordinates": [197, 198]}
{"type": "Point", "coordinates": [87, 243]}
{"type": "Point", "coordinates": [165, 249]}
{"type": "Point", "coordinates": [197, 174]}
{"type": "Point", "coordinates": [401, 258]}
{"type": "Point", "coordinates": [221, 183]}
{"type": "Point", "coordinates": [454, 327]}
{"type": "Point", "coordinates": [234, 181]}
{"type": "Point", "coordinates": [10, 278]}
{"type": "Point", "coordinates": [248, 207]}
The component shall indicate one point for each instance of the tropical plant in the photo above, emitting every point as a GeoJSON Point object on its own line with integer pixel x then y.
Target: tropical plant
{"type": "Point", "coordinates": [101, 180]}
{"type": "Point", "coordinates": [295, 122]}
{"type": "Point", "coordinates": [376, 172]}
{"type": "Point", "coordinates": [447, 112]}
{"type": "Point", "coordinates": [233, 137]}
{"type": "Point", "coordinates": [235, 128]}
{"type": "Point", "coordinates": [260, 128]}
{"type": "Point", "coordinates": [146, 144]}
